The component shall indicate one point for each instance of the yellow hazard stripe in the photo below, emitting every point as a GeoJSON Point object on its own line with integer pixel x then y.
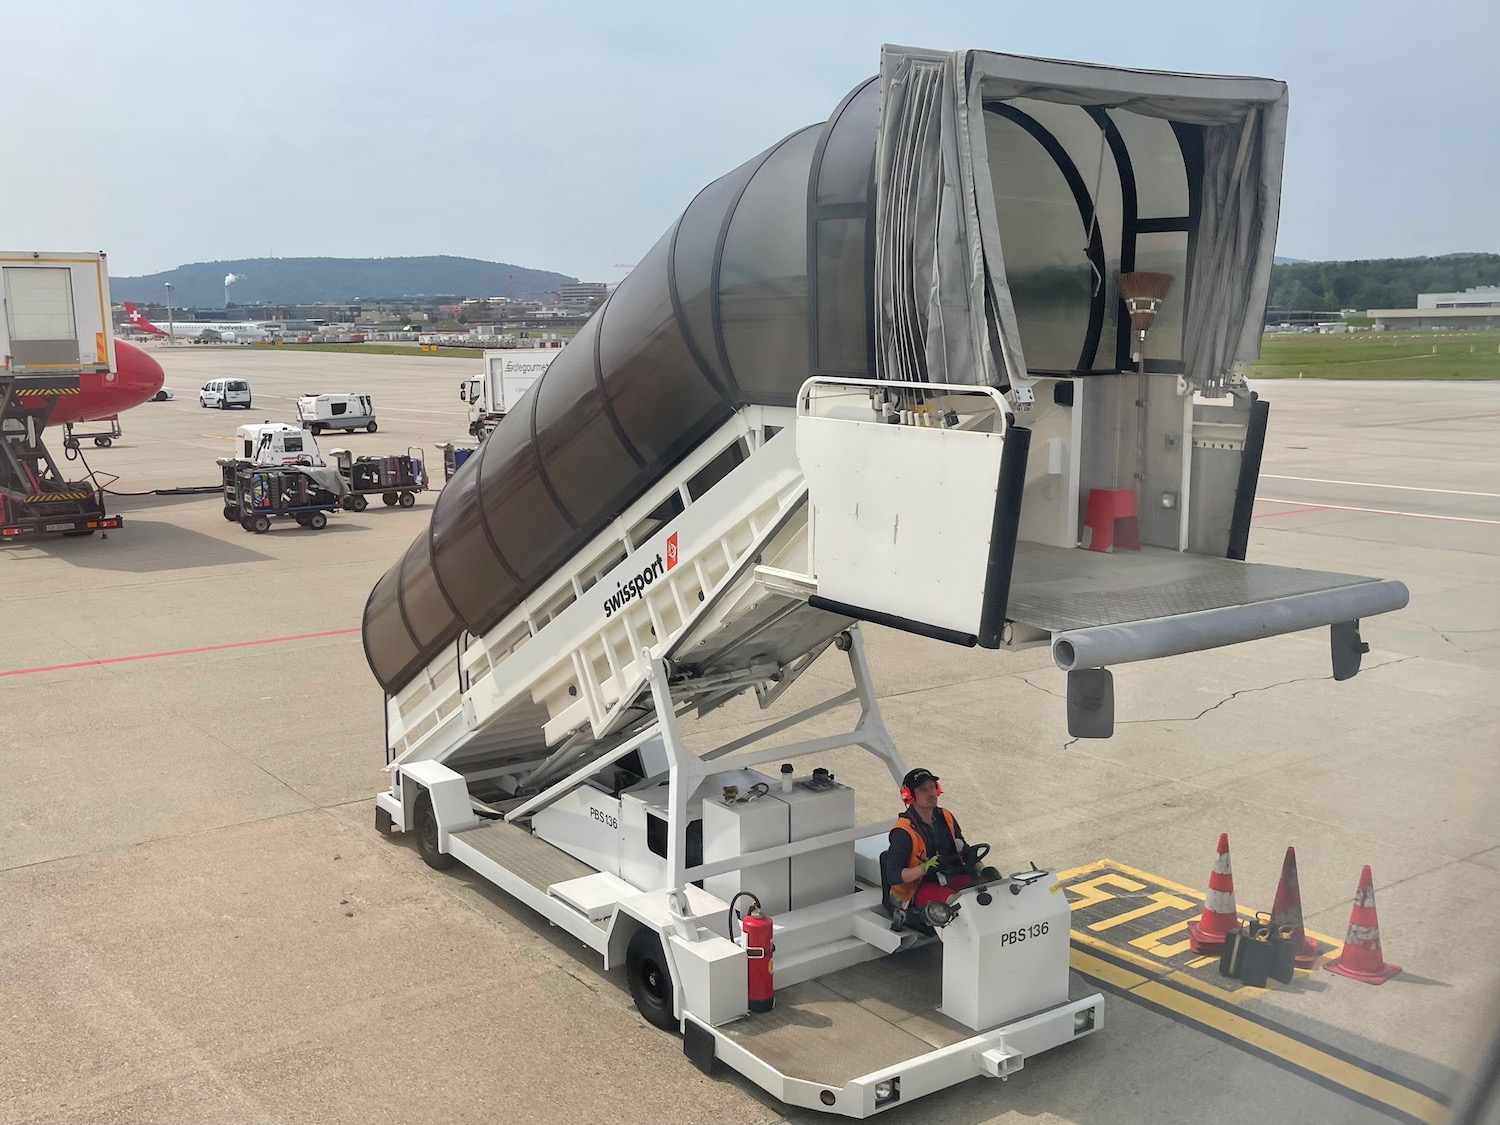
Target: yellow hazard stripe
{"type": "Point", "coordinates": [48, 497]}
{"type": "Point", "coordinates": [47, 392]}
{"type": "Point", "coordinates": [1299, 1053]}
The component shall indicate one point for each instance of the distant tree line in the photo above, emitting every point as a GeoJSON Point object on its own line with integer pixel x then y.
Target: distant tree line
{"type": "Point", "coordinates": [306, 281]}
{"type": "Point", "coordinates": [1382, 283]}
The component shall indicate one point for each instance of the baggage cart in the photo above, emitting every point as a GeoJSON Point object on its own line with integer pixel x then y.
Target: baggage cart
{"type": "Point", "coordinates": [395, 477]}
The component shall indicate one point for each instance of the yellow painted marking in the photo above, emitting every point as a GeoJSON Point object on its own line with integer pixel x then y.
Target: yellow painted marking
{"type": "Point", "coordinates": [1092, 890]}
{"type": "Point", "coordinates": [1155, 943]}
{"type": "Point", "coordinates": [1199, 962]}
{"type": "Point", "coordinates": [1302, 1055]}
{"type": "Point", "coordinates": [1160, 900]}
{"type": "Point", "coordinates": [1112, 865]}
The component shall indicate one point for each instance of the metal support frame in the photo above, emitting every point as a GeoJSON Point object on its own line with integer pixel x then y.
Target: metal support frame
{"type": "Point", "coordinates": [687, 769]}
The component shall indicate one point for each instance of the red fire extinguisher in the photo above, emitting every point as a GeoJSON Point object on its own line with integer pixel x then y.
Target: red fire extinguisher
{"type": "Point", "coordinates": [757, 929]}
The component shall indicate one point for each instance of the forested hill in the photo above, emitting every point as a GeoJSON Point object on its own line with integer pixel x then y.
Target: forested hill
{"type": "Point", "coordinates": [305, 281]}
{"type": "Point", "coordinates": [1382, 283]}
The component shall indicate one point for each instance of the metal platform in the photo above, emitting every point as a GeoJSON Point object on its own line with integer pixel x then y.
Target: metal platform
{"type": "Point", "coordinates": [532, 860]}
{"type": "Point", "coordinates": [1057, 589]}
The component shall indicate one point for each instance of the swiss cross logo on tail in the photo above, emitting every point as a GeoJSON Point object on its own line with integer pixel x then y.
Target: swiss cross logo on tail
{"type": "Point", "coordinates": [139, 322]}
{"type": "Point", "coordinates": [672, 550]}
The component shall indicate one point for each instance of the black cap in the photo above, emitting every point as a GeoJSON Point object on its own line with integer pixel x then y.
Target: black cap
{"type": "Point", "coordinates": [916, 777]}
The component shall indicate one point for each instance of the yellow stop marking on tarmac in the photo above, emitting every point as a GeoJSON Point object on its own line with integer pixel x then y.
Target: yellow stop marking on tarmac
{"type": "Point", "coordinates": [1129, 933]}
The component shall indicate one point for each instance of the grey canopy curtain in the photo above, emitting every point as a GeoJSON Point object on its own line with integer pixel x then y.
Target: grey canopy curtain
{"type": "Point", "coordinates": [943, 310]}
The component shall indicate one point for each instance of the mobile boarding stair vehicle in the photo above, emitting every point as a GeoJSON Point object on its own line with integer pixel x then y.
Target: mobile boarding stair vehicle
{"type": "Point", "coordinates": [900, 370]}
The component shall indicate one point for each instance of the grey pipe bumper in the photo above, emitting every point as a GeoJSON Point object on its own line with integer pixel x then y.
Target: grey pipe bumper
{"type": "Point", "coordinates": [1105, 645]}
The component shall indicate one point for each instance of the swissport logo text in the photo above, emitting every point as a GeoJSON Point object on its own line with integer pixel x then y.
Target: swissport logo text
{"type": "Point", "coordinates": [672, 550]}
{"type": "Point", "coordinates": [627, 592]}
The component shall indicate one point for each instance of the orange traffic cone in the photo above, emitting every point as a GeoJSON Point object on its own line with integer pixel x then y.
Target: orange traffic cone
{"type": "Point", "coordinates": [1287, 911]}
{"type": "Point", "coordinates": [1220, 916]}
{"type": "Point", "coordinates": [1361, 958]}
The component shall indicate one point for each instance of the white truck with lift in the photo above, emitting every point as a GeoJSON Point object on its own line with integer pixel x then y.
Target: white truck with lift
{"type": "Point", "coordinates": [508, 374]}
{"type": "Point", "coordinates": [688, 513]}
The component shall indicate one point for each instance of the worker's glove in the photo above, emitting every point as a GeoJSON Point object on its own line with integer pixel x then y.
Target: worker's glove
{"type": "Point", "coordinates": [927, 865]}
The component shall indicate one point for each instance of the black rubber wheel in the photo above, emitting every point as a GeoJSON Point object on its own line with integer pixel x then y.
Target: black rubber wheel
{"type": "Point", "coordinates": [389, 499]}
{"type": "Point", "coordinates": [317, 521]}
{"type": "Point", "coordinates": [70, 443]}
{"type": "Point", "coordinates": [247, 523]}
{"type": "Point", "coordinates": [371, 428]}
{"type": "Point", "coordinates": [359, 503]}
{"type": "Point", "coordinates": [104, 442]}
{"type": "Point", "coordinates": [224, 403]}
{"type": "Point", "coordinates": [383, 822]}
{"type": "Point", "coordinates": [248, 405]}
{"type": "Point", "coordinates": [231, 512]}
{"type": "Point", "coordinates": [427, 836]}
{"type": "Point", "coordinates": [408, 499]}
{"type": "Point", "coordinates": [650, 980]}
{"type": "Point", "coordinates": [260, 524]}
{"type": "Point", "coordinates": [316, 430]}
{"type": "Point", "coordinates": [301, 518]}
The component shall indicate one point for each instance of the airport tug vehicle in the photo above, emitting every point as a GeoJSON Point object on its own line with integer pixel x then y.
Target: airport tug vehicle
{"type": "Point", "coordinates": [754, 448]}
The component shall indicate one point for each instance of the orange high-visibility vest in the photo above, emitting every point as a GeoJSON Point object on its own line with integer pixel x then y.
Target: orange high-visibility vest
{"type": "Point", "coordinates": [903, 892]}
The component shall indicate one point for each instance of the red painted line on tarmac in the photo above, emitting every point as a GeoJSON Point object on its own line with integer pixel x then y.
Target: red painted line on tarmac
{"type": "Point", "coordinates": [176, 652]}
{"type": "Point", "coordinates": [1287, 511]}
{"type": "Point", "coordinates": [1376, 512]}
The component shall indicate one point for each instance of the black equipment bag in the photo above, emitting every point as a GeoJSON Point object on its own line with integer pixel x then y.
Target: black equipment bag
{"type": "Point", "coordinates": [1257, 952]}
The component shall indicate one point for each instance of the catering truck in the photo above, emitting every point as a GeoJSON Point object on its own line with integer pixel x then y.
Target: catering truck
{"type": "Point", "coordinates": [55, 333]}
{"type": "Point", "coordinates": [909, 369]}
{"type": "Point", "coordinates": [508, 374]}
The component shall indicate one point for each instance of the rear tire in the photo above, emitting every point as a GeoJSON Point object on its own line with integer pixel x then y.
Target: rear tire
{"type": "Point", "coordinates": [389, 499]}
{"type": "Point", "coordinates": [371, 428]}
{"type": "Point", "coordinates": [231, 512]}
{"type": "Point", "coordinates": [317, 521]}
{"type": "Point", "coordinates": [224, 404]}
{"type": "Point", "coordinates": [650, 980]}
{"type": "Point", "coordinates": [359, 503]}
{"type": "Point", "coordinates": [260, 524]}
{"type": "Point", "coordinates": [425, 822]}
{"type": "Point", "coordinates": [408, 499]}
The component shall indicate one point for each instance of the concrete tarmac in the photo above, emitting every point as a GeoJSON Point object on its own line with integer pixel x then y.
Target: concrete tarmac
{"type": "Point", "coordinates": [199, 923]}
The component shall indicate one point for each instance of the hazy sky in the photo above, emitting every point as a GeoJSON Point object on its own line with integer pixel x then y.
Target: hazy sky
{"type": "Point", "coordinates": [569, 136]}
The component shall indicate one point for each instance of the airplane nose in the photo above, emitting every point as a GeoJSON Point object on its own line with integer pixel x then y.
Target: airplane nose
{"type": "Point", "coordinates": [139, 375]}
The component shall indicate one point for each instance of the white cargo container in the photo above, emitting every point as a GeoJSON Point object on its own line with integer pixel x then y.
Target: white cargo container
{"type": "Point", "coordinates": [57, 315]}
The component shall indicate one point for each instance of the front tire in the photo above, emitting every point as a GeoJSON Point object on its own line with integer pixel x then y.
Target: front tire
{"type": "Point", "coordinates": [371, 428]}
{"type": "Point", "coordinates": [650, 980]}
{"type": "Point", "coordinates": [260, 524]}
{"type": "Point", "coordinates": [359, 503]}
{"type": "Point", "coordinates": [425, 822]}
{"type": "Point", "coordinates": [231, 512]}
{"type": "Point", "coordinates": [408, 499]}
{"type": "Point", "coordinates": [317, 521]}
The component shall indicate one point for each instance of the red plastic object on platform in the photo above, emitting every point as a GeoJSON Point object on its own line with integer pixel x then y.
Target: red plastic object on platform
{"type": "Point", "coordinates": [1111, 520]}
{"type": "Point", "coordinates": [1287, 911]}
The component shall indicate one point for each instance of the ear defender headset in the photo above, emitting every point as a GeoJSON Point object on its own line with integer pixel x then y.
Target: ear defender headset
{"type": "Point", "coordinates": [907, 797]}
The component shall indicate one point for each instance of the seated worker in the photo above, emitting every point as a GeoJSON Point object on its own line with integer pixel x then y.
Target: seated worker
{"type": "Point", "coordinates": [927, 859]}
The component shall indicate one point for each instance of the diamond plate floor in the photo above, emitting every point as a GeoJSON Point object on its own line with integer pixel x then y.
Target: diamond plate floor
{"type": "Point", "coordinates": [1057, 588]}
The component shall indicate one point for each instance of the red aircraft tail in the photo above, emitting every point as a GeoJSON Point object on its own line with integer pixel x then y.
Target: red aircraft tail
{"type": "Point", "coordinates": [137, 320]}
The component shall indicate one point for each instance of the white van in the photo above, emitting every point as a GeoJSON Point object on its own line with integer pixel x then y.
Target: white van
{"type": "Point", "coordinates": [225, 393]}
{"type": "Point", "coordinates": [337, 412]}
